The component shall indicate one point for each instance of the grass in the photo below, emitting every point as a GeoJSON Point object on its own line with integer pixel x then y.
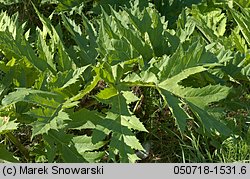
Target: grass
{"type": "Point", "coordinates": [234, 149]}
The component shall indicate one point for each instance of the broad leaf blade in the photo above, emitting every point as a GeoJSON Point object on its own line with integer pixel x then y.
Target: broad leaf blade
{"type": "Point", "coordinates": [6, 125]}
{"type": "Point", "coordinates": [178, 112]}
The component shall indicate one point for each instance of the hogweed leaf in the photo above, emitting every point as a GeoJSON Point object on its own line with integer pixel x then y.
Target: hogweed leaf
{"type": "Point", "coordinates": [69, 153]}
{"type": "Point", "coordinates": [55, 120]}
{"type": "Point", "coordinates": [176, 108]}
{"type": "Point", "coordinates": [20, 50]}
{"type": "Point", "coordinates": [64, 61]}
{"type": "Point", "coordinates": [41, 98]}
{"type": "Point", "coordinates": [210, 123]}
{"type": "Point", "coordinates": [6, 125]}
{"type": "Point", "coordinates": [243, 24]}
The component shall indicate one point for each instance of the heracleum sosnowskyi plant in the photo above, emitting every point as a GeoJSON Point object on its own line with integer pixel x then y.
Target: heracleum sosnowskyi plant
{"type": "Point", "coordinates": [79, 98]}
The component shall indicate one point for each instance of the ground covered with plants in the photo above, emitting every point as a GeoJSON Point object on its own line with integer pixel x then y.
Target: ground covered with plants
{"type": "Point", "coordinates": [124, 81]}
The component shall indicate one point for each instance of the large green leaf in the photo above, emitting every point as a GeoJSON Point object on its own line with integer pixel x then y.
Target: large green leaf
{"type": "Point", "coordinates": [195, 55]}
{"type": "Point", "coordinates": [154, 26]}
{"type": "Point", "coordinates": [243, 23]}
{"type": "Point", "coordinates": [84, 119]}
{"type": "Point", "coordinates": [238, 40]}
{"type": "Point", "coordinates": [21, 50]}
{"type": "Point", "coordinates": [47, 121]}
{"type": "Point", "coordinates": [206, 95]}
{"type": "Point", "coordinates": [69, 153]}
{"type": "Point", "coordinates": [135, 40]}
{"type": "Point", "coordinates": [209, 122]}
{"type": "Point", "coordinates": [84, 146]}
{"type": "Point", "coordinates": [178, 112]}
{"type": "Point", "coordinates": [38, 97]}
{"type": "Point", "coordinates": [120, 122]}
{"type": "Point", "coordinates": [6, 125]}
{"type": "Point", "coordinates": [86, 47]}
{"type": "Point", "coordinates": [45, 51]}
{"type": "Point", "coordinates": [64, 61]}
{"type": "Point", "coordinates": [88, 87]}
{"type": "Point", "coordinates": [167, 75]}
{"type": "Point", "coordinates": [67, 78]}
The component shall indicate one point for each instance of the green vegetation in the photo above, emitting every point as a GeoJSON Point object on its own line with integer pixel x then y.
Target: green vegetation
{"type": "Point", "coordinates": [124, 81]}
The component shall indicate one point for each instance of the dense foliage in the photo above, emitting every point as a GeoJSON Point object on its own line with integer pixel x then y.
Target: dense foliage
{"type": "Point", "coordinates": [124, 81]}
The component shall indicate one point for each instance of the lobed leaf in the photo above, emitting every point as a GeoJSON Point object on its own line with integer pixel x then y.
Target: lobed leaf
{"type": "Point", "coordinates": [6, 125]}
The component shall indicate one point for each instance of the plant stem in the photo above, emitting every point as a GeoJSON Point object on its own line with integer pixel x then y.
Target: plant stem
{"type": "Point", "coordinates": [19, 145]}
